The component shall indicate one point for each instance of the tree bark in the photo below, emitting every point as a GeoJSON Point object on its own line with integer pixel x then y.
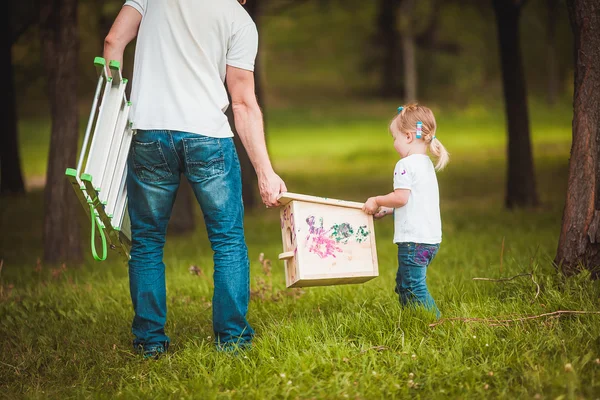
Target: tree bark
{"type": "Point", "coordinates": [579, 241]}
{"type": "Point", "coordinates": [552, 59]}
{"type": "Point", "coordinates": [11, 176]}
{"type": "Point", "coordinates": [60, 47]}
{"type": "Point", "coordinates": [521, 186]}
{"type": "Point", "coordinates": [388, 37]}
{"type": "Point", "coordinates": [408, 52]}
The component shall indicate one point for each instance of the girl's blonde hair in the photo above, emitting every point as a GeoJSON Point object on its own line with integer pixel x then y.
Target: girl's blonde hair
{"type": "Point", "coordinates": [406, 122]}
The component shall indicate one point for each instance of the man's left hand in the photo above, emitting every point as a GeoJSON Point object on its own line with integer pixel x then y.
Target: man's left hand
{"type": "Point", "coordinates": [270, 186]}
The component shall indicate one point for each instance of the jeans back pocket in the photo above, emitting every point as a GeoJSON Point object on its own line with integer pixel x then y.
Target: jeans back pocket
{"type": "Point", "coordinates": [204, 156]}
{"type": "Point", "coordinates": [149, 161]}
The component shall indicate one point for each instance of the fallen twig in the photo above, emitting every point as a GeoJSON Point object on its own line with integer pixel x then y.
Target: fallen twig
{"type": "Point", "coordinates": [530, 274]}
{"type": "Point", "coordinates": [378, 348]}
{"type": "Point", "coordinates": [496, 322]}
{"type": "Point", "coordinates": [537, 291]}
{"type": "Point", "coordinates": [501, 279]}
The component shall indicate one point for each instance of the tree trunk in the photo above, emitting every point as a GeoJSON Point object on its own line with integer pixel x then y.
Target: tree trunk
{"type": "Point", "coordinates": [11, 177]}
{"type": "Point", "coordinates": [579, 241]}
{"type": "Point", "coordinates": [388, 38]}
{"type": "Point", "coordinates": [408, 52]}
{"type": "Point", "coordinates": [182, 218]}
{"type": "Point", "coordinates": [60, 47]}
{"type": "Point", "coordinates": [521, 187]}
{"type": "Point", "coordinates": [551, 57]}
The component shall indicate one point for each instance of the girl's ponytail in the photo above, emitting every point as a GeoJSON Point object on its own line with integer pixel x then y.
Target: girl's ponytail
{"type": "Point", "coordinates": [437, 149]}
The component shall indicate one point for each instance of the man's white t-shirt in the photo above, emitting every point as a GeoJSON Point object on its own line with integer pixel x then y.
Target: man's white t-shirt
{"type": "Point", "coordinates": [182, 49]}
{"type": "Point", "coordinates": [419, 220]}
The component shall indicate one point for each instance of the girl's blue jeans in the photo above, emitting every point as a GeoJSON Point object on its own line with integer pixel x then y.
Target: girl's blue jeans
{"type": "Point", "coordinates": [156, 161]}
{"type": "Point", "coordinates": [411, 285]}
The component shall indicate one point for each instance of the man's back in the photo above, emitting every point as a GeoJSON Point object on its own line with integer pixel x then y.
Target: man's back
{"type": "Point", "coordinates": [182, 49]}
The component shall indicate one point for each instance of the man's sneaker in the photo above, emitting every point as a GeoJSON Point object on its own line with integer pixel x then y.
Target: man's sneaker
{"type": "Point", "coordinates": [153, 351]}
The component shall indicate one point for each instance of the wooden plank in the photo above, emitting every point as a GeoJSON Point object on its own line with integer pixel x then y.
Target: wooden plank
{"type": "Point", "coordinates": [330, 282]}
{"type": "Point", "coordinates": [371, 227]}
{"type": "Point", "coordinates": [289, 243]}
{"type": "Point", "coordinates": [333, 240]}
{"type": "Point", "coordinates": [285, 198]}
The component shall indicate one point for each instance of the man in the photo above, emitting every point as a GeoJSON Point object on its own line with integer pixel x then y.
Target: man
{"type": "Point", "coordinates": [185, 51]}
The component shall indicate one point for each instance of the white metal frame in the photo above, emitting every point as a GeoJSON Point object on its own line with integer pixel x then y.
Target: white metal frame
{"type": "Point", "coordinates": [103, 181]}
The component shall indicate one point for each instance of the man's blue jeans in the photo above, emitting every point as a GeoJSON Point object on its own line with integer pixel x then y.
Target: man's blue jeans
{"type": "Point", "coordinates": [156, 161]}
{"type": "Point", "coordinates": [413, 260]}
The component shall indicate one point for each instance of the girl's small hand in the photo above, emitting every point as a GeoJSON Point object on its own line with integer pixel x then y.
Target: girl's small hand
{"type": "Point", "coordinates": [371, 206]}
{"type": "Point", "coordinates": [383, 211]}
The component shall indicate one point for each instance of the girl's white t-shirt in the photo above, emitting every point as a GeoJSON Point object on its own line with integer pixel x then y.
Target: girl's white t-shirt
{"type": "Point", "coordinates": [419, 220]}
{"type": "Point", "coordinates": [181, 53]}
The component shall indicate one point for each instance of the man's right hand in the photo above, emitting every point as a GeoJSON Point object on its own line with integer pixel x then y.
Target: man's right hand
{"type": "Point", "coordinates": [270, 186]}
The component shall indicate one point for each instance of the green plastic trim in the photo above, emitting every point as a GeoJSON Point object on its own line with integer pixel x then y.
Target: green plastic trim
{"type": "Point", "coordinates": [99, 62]}
{"type": "Point", "coordinates": [93, 237]}
{"type": "Point", "coordinates": [110, 78]}
{"type": "Point", "coordinates": [86, 177]}
{"type": "Point", "coordinates": [125, 80]}
{"type": "Point", "coordinates": [114, 64]}
{"type": "Point", "coordinates": [71, 172]}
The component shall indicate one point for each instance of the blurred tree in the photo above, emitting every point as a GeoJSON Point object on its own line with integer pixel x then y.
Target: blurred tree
{"type": "Point", "coordinates": [17, 18]}
{"type": "Point", "coordinates": [410, 25]}
{"type": "Point", "coordinates": [387, 37]}
{"type": "Point", "coordinates": [60, 46]}
{"type": "Point", "coordinates": [404, 27]}
{"type": "Point", "coordinates": [579, 241]}
{"type": "Point", "coordinates": [521, 187]}
{"type": "Point", "coordinates": [552, 62]}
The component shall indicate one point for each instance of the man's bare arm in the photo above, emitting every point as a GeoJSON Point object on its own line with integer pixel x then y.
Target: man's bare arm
{"type": "Point", "coordinates": [249, 125]}
{"type": "Point", "coordinates": [122, 32]}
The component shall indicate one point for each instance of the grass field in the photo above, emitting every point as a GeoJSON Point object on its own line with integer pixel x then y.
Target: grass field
{"type": "Point", "coordinates": [66, 330]}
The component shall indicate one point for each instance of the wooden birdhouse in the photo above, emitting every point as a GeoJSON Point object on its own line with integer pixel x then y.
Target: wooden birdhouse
{"type": "Point", "coordinates": [326, 241]}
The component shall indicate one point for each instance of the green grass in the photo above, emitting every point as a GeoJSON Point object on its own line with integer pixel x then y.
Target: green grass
{"type": "Point", "coordinates": [66, 332]}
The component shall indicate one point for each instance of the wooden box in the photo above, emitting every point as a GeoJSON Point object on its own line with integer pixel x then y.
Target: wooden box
{"type": "Point", "coordinates": [326, 241]}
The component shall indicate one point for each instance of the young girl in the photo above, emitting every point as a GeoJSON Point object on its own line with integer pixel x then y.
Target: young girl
{"type": "Point", "coordinates": [414, 202]}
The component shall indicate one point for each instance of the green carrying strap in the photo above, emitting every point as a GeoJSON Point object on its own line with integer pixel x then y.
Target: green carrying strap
{"type": "Point", "coordinates": [93, 235]}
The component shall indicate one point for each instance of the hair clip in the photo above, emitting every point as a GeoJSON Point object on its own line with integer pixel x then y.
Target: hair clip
{"type": "Point", "coordinates": [419, 129]}
{"type": "Point", "coordinates": [400, 109]}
